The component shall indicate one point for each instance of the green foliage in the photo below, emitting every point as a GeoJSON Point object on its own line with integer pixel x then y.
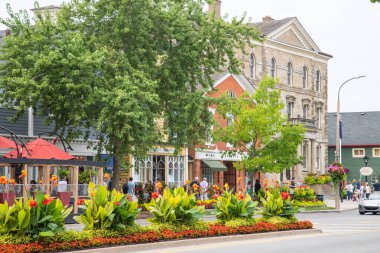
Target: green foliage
{"type": "Point", "coordinates": [278, 220]}
{"type": "Point", "coordinates": [178, 227]}
{"type": "Point", "coordinates": [85, 176]}
{"type": "Point", "coordinates": [231, 206]}
{"type": "Point", "coordinates": [317, 179]}
{"type": "Point", "coordinates": [107, 65]}
{"type": "Point", "coordinates": [260, 132]}
{"type": "Point", "coordinates": [273, 204]}
{"type": "Point", "coordinates": [304, 194]}
{"type": "Point", "coordinates": [237, 222]}
{"type": "Point", "coordinates": [317, 203]}
{"type": "Point", "coordinates": [14, 220]}
{"type": "Point", "coordinates": [175, 206]}
{"type": "Point", "coordinates": [107, 210]}
{"type": "Point", "coordinates": [63, 173]}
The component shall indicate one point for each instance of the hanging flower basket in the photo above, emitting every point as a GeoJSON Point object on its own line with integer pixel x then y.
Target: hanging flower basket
{"type": "Point", "coordinates": [337, 172]}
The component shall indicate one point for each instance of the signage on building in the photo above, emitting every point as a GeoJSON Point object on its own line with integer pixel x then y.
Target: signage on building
{"type": "Point", "coordinates": [366, 171]}
{"type": "Point", "coordinates": [220, 156]}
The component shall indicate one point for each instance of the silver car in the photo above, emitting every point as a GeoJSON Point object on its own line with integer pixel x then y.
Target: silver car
{"type": "Point", "coordinates": [370, 205]}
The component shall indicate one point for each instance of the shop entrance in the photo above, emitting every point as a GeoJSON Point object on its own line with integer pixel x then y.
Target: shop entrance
{"type": "Point", "coordinates": [230, 175]}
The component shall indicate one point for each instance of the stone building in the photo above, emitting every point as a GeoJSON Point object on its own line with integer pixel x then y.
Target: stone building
{"type": "Point", "coordinates": [289, 54]}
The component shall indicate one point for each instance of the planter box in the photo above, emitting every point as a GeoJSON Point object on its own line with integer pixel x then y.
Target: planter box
{"type": "Point", "coordinates": [64, 197]}
{"type": "Point", "coordinates": [9, 197]}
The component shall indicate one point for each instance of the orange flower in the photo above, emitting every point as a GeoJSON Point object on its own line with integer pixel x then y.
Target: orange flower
{"type": "Point", "coordinates": [24, 173]}
{"type": "Point", "coordinates": [55, 183]}
{"type": "Point", "coordinates": [187, 182]}
{"type": "Point", "coordinates": [12, 181]}
{"type": "Point", "coordinates": [3, 180]}
{"type": "Point", "coordinates": [215, 187]}
{"type": "Point", "coordinates": [240, 196]}
{"type": "Point", "coordinates": [195, 187]}
{"type": "Point", "coordinates": [155, 195]}
{"type": "Point", "coordinates": [239, 179]}
{"type": "Point", "coordinates": [92, 193]}
{"type": "Point", "coordinates": [53, 178]}
{"type": "Point", "coordinates": [159, 185]}
{"type": "Point", "coordinates": [33, 203]}
{"type": "Point", "coordinates": [41, 181]}
{"type": "Point", "coordinates": [80, 202]}
{"type": "Point", "coordinates": [47, 201]}
{"type": "Point", "coordinates": [107, 176]}
{"type": "Point", "coordinates": [117, 203]}
{"type": "Point", "coordinates": [288, 184]}
{"type": "Point", "coordinates": [128, 197]}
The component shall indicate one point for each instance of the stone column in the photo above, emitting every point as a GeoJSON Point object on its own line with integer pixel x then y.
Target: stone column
{"type": "Point", "coordinates": [299, 166]}
{"type": "Point", "coordinates": [313, 157]}
{"type": "Point", "coordinates": [75, 187]}
{"type": "Point", "coordinates": [309, 152]}
{"type": "Point", "coordinates": [47, 179]}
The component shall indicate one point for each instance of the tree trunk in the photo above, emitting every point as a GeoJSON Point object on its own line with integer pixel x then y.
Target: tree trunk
{"type": "Point", "coordinates": [252, 183]}
{"type": "Point", "coordinates": [115, 183]}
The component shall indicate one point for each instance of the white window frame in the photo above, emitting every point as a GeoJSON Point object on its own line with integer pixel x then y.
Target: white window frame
{"type": "Point", "coordinates": [290, 74]}
{"type": "Point", "coordinates": [358, 149]}
{"type": "Point", "coordinates": [252, 69]}
{"type": "Point", "coordinates": [305, 77]}
{"type": "Point", "coordinates": [373, 152]}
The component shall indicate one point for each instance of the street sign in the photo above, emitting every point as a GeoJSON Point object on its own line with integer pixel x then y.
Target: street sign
{"type": "Point", "coordinates": [366, 171]}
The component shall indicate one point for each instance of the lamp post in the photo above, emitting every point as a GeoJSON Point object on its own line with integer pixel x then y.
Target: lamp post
{"type": "Point", "coordinates": [337, 137]}
{"type": "Point", "coordinates": [365, 160]}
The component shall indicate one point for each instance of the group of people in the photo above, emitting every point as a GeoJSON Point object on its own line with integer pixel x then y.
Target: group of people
{"type": "Point", "coordinates": [202, 186]}
{"type": "Point", "coordinates": [360, 190]}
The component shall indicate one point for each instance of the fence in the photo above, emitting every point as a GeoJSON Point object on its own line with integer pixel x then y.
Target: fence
{"type": "Point", "coordinates": [46, 189]}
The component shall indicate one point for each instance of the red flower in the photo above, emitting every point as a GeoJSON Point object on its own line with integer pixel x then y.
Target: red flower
{"type": "Point", "coordinates": [80, 202]}
{"type": "Point", "coordinates": [285, 195]}
{"type": "Point", "coordinates": [128, 197]}
{"type": "Point", "coordinates": [215, 196]}
{"type": "Point", "coordinates": [117, 203]}
{"type": "Point", "coordinates": [240, 196]}
{"type": "Point", "coordinates": [154, 195]}
{"type": "Point", "coordinates": [33, 203]}
{"type": "Point", "coordinates": [47, 201]}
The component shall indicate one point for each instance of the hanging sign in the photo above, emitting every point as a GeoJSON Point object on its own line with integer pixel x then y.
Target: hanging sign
{"type": "Point", "coordinates": [366, 171]}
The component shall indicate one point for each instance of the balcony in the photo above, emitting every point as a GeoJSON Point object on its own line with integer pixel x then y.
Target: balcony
{"type": "Point", "coordinates": [308, 123]}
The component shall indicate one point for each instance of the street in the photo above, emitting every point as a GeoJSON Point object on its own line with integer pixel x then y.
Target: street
{"type": "Point", "coordinates": [342, 232]}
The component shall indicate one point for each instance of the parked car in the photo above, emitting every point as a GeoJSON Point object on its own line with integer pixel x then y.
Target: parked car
{"type": "Point", "coordinates": [370, 205]}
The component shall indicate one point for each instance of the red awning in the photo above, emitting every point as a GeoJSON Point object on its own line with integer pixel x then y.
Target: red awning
{"type": "Point", "coordinates": [40, 149]}
{"type": "Point", "coordinates": [6, 143]}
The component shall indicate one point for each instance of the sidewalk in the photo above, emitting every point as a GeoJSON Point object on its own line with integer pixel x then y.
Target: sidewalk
{"type": "Point", "coordinates": [346, 205]}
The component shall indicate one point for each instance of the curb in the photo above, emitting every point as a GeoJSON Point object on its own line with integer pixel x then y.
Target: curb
{"type": "Point", "coordinates": [200, 241]}
{"type": "Point", "coordinates": [330, 211]}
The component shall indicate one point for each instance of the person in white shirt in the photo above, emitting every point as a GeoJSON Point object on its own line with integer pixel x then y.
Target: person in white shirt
{"type": "Point", "coordinates": [349, 190]}
{"type": "Point", "coordinates": [204, 187]}
{"type": "Point", "coordinates": [368, 190]}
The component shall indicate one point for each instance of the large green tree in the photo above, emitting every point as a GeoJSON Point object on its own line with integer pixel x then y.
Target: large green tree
{"type": "Point", "coordinates": [118, 66]}
{"type": "Point", "coordinates": [260, 132]}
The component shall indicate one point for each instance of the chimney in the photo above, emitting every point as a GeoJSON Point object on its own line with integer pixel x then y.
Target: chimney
{"type": "Point", "coordinates": [267, 19]}
{"type": "Point", "coordinates": [214, 7]}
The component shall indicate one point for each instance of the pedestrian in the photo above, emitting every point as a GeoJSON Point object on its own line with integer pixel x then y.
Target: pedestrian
{"type": "Point", "coordinates": [358, 185]}
{"type": "Point", "coordinates": [195, 188]}
{"type": "Point", "coordinates": [204, 188]}
{"type": "Point", "coordinates": [292, 186]}
{"type": "Point", "coordinates": [368, 190]}
{"type": "Point", "coordinates": [363, 191]}
{"type": "Point", "coordinates": [376, 186]}
{"type": "Point", "coordinates": [354, 184]}
{"type": "Point", "coordinates": [349, 190]}
{"type": "Point", "coordinates": [341, 191]}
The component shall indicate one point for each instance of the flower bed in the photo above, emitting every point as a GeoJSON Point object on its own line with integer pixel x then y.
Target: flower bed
{"type": "Point", "coordinates": [71, 240]}
{"type": "Point", "coordinates": [315, 203]}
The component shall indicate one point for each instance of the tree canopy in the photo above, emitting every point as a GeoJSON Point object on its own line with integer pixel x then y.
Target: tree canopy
{"type": "Point", "coordinates": [260, 132]}
{"type": "Point", "coordinates": [118, 66]}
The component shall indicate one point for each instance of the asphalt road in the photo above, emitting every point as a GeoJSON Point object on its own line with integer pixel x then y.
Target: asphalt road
{"type": "Point", "coordinates": [344, 232]}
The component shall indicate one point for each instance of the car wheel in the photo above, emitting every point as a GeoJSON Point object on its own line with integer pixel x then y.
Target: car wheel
{"type": "Point", "coordinates": [361, 213]}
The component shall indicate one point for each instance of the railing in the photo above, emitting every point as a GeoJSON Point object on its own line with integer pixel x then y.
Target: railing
{"type": "Point", "coordinates": [310, 123]}
{"type": "Point", "coordinates": [46, 189]}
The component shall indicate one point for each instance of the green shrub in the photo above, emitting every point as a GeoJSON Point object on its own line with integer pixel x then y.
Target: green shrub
{"type": "Point", "coordinates": [230, 206]}
{"type": "Point", "coordinates": [316, 203]}
{"type": "Point", "coordinates": [14, 220]}
{"type": "Point", "coordinates": [274, 205]}
{"type": "Point", "coordinates": [178, 227]}
{"type": "Point", "coordinates": [12, 239]}
{"type": "Point", "coordinates": [237, 222]}
{"type": "Point", "coordinates": [107, 210]}
{"type": "Point", "coordinates": [304, 193]}
{"type": "Point", "coordinates": [175, 206]}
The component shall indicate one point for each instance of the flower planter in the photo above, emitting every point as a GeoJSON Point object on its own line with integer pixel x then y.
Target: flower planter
{"type": "Point", "coordinates": [9, 197]}
{"type": "Point", "coordinates": [64, 197]}
{"type": "Point", "coordinates": [317, 188]}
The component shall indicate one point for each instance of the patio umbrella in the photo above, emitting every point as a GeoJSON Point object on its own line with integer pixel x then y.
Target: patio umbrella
{"type": "Point", "coordinates": [6, 143]}
{"type": "Point", "coordinates": [40, 149]}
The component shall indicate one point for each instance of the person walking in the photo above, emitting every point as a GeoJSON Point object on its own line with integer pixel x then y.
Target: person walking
{"type": "Point", "coordinates": [354, 184]}
{"type": "Point", "coordinates": [363, 191]}
{"type": "Point", "coordinates": [349, 190]}
{"type": "Point", "coordinates": [292, 186]}
{"type": "Point", "coordinates": [195, 188]}
{"type": "Point", "coordinates": [257, 186]}
{"type": "Point", "coordinates": [358, 185]}
{"type": "Point", "coordinates": [368, 190]}
{"type": "Point", "coordinates": [204, 188]}
{"type": "Point", "coordinates": [376, 186]}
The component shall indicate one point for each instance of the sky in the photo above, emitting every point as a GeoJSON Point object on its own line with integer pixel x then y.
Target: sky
{"type": "Point", "coordinates": [347, 29]}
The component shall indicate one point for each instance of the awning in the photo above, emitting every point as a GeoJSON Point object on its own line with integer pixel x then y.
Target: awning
{"type": "Point", "coordinates": [215, 165]}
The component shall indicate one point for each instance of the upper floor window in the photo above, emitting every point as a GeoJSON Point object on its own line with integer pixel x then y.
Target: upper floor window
{"type": "Point", "coordinates": [376, 152]}
{"type": "Point", "coordinates": [231, 94]}
{"type": "Point", "coordinates": [304, 77]}
{"type": "Point", "coordinates": [305, 111]}
{"type": "Point", "coordinates": [318, 82]}
{"type": "Point", "coordinates": [290, 74]}
{"type": "Point", "coordinates": [318, 117]}
{"type": "Point", "coordinates": [358, 152]}
{"type": "Point", "coordinates": [290, 107]}
{"type": "Point", "coordinates": [273, 68]}
{"type": "Point", "coordinates": [318, 160]}
{"type": "Point", "coordinates": [252, 66]}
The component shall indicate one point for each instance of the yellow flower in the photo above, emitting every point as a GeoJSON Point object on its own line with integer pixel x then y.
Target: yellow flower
{"type": "Point", "coordinates": [24, 173]}
{"type": "Point", "coordinates": [107, 176]}
{"type": "Point", "coordinates": [92, 193]}
{"type": "Point", "coordinates": [187, 182]}
{"type": "Point", "coordinates": [239, 179]}
{"type": "Point", "coordinates": [226, 186]}
{"type": "Point", "coordinates": [53, 178]}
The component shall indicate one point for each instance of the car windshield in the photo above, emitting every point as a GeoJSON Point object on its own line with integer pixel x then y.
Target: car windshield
{"type": "Point", "coordinates": [374, 197]}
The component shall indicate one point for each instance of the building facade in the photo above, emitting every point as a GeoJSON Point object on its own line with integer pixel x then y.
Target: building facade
{"type": "Point", "coordinates": [290, 55]}
{"type": "Point", "coordinates": [360, 138]}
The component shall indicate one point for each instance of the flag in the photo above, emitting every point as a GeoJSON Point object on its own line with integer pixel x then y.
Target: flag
{"type": "Point", "coordinates": [340, 129]}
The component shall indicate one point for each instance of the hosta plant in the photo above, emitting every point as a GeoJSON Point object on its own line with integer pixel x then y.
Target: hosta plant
{"type": "Point", "coordinates": [106, 210]}
{"type": "Point", "coordinates": [232, 206]}
{"type": "Point", "coordinates": [174, 206]}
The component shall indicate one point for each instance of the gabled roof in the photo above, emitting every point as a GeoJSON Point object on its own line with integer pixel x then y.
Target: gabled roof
{"type": "Point", "coordinates": [268, 27]}
{"type": "Point", "coordinates": [239, 78]}
{"type": "Point", "coordinates": [359, 128]}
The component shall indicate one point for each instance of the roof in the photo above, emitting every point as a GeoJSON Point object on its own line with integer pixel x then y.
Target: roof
{"type": "Point", "coordinates": [359, 128]}
{"type": "Point", "coordinates": [269, 27]}
{"type": "Point", "coordinates": [48, 7]}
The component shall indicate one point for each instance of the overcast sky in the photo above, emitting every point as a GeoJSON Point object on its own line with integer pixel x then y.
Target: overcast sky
{"type": "Point", "coordinates": [347, 29]}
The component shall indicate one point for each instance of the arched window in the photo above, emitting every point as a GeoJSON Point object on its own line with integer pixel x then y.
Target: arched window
{"type": "Point", "coordinates": [252, 66]}
{"type": "Point", "coordinates": [290, 74]}
{"type": "Point", "coordinates": [318, 82]}
{"type": "Point", "coordinates": [304, 77]}
{"type": "Point", "coordinates": [273, 68]}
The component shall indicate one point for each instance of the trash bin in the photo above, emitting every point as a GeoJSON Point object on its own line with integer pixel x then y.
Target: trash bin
{"type": "Point", "coordinates": [319, 197]}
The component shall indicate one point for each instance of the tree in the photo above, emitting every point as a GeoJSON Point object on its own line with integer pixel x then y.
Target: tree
{"type": "Point", "coordinates": [375, 1]}
{"type": "Point", "coordinates": [259, 132]}
{"type": "Point", "coordinates": [117, 67]}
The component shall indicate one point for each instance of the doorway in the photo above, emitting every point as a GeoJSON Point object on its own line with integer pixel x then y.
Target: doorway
{"type": "Point", "coordinates": [230, 175]}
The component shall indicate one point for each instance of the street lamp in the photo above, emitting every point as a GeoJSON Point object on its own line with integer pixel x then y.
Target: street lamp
{"type": "Point", "coordinates": [337, 139]}
{"type": "Point", "coordinates": [365, 160]}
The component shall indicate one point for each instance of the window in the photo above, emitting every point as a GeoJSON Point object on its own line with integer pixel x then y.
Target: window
{"type": "Point", "coordinates": [273, 68]}
{"type": "Point", "coordinates": [304, 77]}
{"type": "Point", "coordinates": [376, 152]}
{"type": "Point", "coordinates": [231, 94]}
{"type": "Point", "coordinates": [318, 160]}
{"type": "Point", "coordinates": [305, 111]}
{"type": "Point", "coordinates": [209, 131]}
{"type": "Point", "coordinates": [318, 117]}
{"type": "Point", "coordinates": [318, 82]}
{"type": "Point", "coordinates": [252, 66]}
{"type": "Point", "coordinates": [304, 155]}
{"type": "Point", "coordinates": [176, 166]}
{"type": "Point", "coordinates": [143, 169]}
{"type": "Point", "coordinates": [290, 73]}
{"type": "Point", "coordinates": [290, 107]}
{"type": "Point", "coordinates": [208, 173]}
{"type": "Point", "coordinates": [358, 152]}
